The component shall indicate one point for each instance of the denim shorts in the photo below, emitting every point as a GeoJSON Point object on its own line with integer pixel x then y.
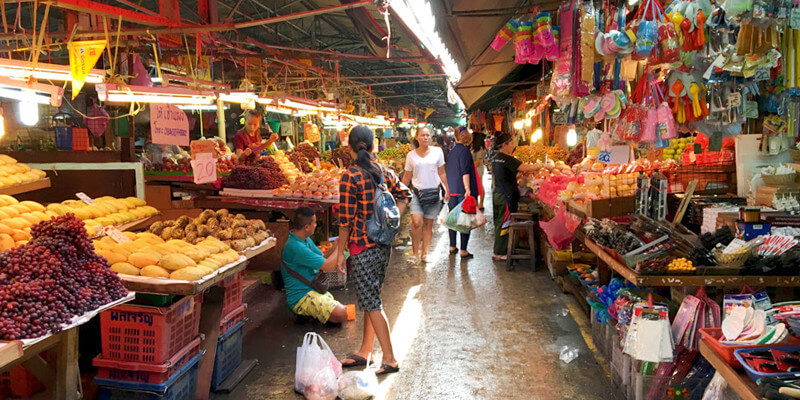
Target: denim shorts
{"type": "Point", "coordinates": [430, 211]}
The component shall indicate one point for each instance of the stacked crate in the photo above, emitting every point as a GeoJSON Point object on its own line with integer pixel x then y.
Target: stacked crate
{"type": "Point", "coordinates": [231, 330]}
{"type": "Point", "coordinates": [150, 352]}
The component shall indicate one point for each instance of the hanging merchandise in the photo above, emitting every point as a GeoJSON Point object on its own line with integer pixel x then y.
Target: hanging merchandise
{"type": "Point", "coordinates": [545, 36]}
{"type": "Point", "coordinates": [561, 86]}
{"type": "Point", "coordinates": [649, 336]}
{"type": "Point", "coordinates": [504, 35]}
{"type": "Point", "coordinates": [523, 46]}
{"type": "Point", "coordinates": [584, 57]}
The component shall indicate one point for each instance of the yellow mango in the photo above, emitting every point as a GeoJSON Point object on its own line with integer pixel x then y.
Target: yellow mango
{"type": "Point", "coordinates": [176, 261]}
{"type": "Point", "coordinates": [141, 260]}
{"type": "Point", "coordinates": [154, 271]}
{"type": "Point", "coordinates": [187, 274]}
{"type": "Point", "coordinates": [125, 268]}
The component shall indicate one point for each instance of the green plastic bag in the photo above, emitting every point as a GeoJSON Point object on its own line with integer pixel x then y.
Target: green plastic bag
{"type": "Point", "coordinates": [451, 222]}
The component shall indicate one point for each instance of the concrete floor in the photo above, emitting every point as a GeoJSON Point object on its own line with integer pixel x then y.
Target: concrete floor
{"type": "Point", "coordinates": [461, 330]}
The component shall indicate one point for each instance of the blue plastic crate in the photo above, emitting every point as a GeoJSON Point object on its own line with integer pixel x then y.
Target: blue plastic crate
{"type": "Point", "coordinates": [181, 386]}
{"type": "Point", "coordinates": [755, 375]}
{"type": "Point", "coordinates": [229, 354]}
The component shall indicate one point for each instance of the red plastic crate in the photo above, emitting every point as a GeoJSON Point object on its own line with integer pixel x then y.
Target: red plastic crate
{"type": "Point", "coordinates": [80, 139]}
{"type": "Point", "coordinates": [19, 382]}
{"type": "Point", "coordinates": [233, 286]}
{"type": "Point", "coordinates": [149, 334]}
{"type": "Point", "coordinates": [132, 371]}
{"type": "Point", "coordinates": [230, 320]}
{"type": "Point", "coordinates": [712, 336]}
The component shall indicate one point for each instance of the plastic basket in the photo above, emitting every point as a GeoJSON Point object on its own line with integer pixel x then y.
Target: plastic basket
{"type": "Point", "coordinates": [19, 382]}
{"type": "Point", "coordinates": [233, 292]}
{"type": "Point", "coordinates": [230, 320]}
{"type": "Point", "coordinates": [132, 371]}
{"type": "Point", "coordinates": [755, 375]}
{"type": "Point", "coordinates": [726, 351]}
{"type": "Point", "coordinates": [229, 354]}
{"type": "Point", "coordinates": [181, 386]}
{"type": "Point", "coordinates": [63, 137]}
{"type": "Point", "coordinates": [779, 180]}
{"type": "Point", "coordinates": [80, 139]}
{"type": "Point", "coordinates": [653, 387]}
{"type": "Point", "coordinates": [149, 334]}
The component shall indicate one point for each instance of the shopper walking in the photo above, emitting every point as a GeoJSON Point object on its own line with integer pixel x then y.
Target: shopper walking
{"type": "Point", "coordinates": [479, 158]}
{"type": "Point", "coordinates": [462, 181]}
{"type": "Point", "coordinates": [505, 196]}
{"type": "Point", "coordinates": [425, 172]}
{"type": "Point", "coordinates": [367, 258]}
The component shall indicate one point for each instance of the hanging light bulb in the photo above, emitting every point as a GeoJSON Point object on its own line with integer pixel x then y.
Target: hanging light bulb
{"type": "Point", "coordinates": [528, 122]}
{"type": "Point", "coordinates": [518, 124]}
{"type": "Point", "coordinates": [538, 135]}
{"type": "Point", "coordinates": [28, 112]}
{"type": "Point", "coordinates": [572, 137]}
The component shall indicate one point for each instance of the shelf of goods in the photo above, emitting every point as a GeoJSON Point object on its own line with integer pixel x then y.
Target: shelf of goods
{"type": "Point", "coordinates": [183, 287]}
{"type": "Point", "coordinates": [26, 187]}
{"type": "Point", "coordinates": [737, 380]}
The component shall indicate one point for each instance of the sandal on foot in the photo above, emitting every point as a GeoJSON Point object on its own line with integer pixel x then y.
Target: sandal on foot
{"type": "Point", "coordinates": [466, 256]}
{"type": "Point", "coordinates": [412, 260]}
{"type": "Point", "coordinates": [358, 361]}
{"type": "Point", "coordinates": [387, 369]}
{"type": "Point", "coordinates": [453, 251]}
{"type": "Point", "coordinates": [499, 258]}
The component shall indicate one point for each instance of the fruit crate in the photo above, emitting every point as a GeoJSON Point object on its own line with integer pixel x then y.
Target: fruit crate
{"type": "Point", "coordinates": [149, 334]}
{"type": "Point", "coordinates": [18, 382]}
{"type": "Point", "coordinates": [229, 354]}
{"type": "Point", "coordinates": [233, 286]}
{"type": "Point", "coordinates": [132, 371]}
{"type": "Point", "coordinates": [181, 386]}
{"type": "Point", "coordinates": [231, 319]}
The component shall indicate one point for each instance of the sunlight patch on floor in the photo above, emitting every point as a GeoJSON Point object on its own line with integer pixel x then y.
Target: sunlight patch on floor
{"type": "Point", "coordinates": [404, 332]}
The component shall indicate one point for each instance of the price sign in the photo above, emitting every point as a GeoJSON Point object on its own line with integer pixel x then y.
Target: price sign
{"type": "Point", "coordinates": [750, 109]}
{"type": "Point", "coordinates": [734, 99]}
{"type": "Point", "coordinates": [115, 234]}
{"type": "Point", "coordinates": [761, 74]}
{"type": "Point", "coordinates": [794, 18]}
{"type": "Point", "coordinates": [559, 118]}
{"type": "Point", "coordinates": [715, 141]}
{"type": "Point", "coordinates": [85, 198]}
{"type": "Point", "coordinates": [203, 146]}
{"type": "Point", "coordinates": [204, 168]}
{"type": "Point", "coordinates": [604, 156]}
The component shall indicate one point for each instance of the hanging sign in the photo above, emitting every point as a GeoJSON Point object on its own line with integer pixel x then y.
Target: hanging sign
{"type": "Point", "coordinates": [428, 112]}
{"type": "Point", "coordinates": [604, 156]}
{"type": "Point", "coordinates": [204, 168]}
{"type": "Point", "coordinates": [83, 55]}
{"type": "Point", "coordinates": [559, 118]}
{"type": "Point", "coordinates": [168, 125]}
{"type": "Point", "coordinates": [620, 154]}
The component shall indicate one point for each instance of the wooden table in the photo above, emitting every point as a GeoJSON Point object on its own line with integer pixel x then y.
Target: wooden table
{"type": "Point", "coordinates": [285, 206]}
{"type": "Point", "coordinates": [737, 380]}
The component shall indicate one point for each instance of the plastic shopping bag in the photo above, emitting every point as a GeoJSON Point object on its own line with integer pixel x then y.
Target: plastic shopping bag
{"type": "Point", "coordinates": [557, 233]}
{"type": "Point", "coordinates": [358, 385]}
{"type": "Point", "coordinates": [316, 369]}
{"type": "Point", "coordinates": [452, 220]}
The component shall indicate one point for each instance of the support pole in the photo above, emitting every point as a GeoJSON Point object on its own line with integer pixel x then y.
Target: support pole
{"type": "Point", "coordinates": [221, 120]}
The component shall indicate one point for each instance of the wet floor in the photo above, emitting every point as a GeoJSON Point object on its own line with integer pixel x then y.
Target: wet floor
{"type": "Point", "coordinates": [461, 330]}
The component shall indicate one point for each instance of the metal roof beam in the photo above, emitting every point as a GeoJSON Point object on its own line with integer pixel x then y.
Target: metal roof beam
{"type": "Point", "coordinates": [95, 8]}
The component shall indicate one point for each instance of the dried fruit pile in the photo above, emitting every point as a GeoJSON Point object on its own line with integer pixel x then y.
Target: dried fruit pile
{"type": "Point", "coordinates": [244, 177]}
{"type": "Point", "coordinates": [342, 156]}
{"type": "Point", "coordinates": [307, 150]}
{"type": "Point", "coordinates": [300, 161]}
{"type": "Point", "coordinates": [52, 278]}
{"type": "Point", "coordinates": [236, 231]}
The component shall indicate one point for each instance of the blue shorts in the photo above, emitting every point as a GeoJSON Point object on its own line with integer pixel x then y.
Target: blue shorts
{"type": "Point", "coordinates": [430, 211]}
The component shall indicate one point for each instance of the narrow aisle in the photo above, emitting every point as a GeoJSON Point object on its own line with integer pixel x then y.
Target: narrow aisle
{"type": "Point", "coordinates": [461, 330]}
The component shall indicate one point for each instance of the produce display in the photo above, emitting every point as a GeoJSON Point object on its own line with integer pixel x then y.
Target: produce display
{"type": "Point", "coordinates": [16, 173]}
{"type": "Point", "coordinates": [318, 185]}
{"type": "Point", "coordinates": [289, 169]}
{"type": "Point", "coordinates": [343, 157]}
{"type": "Point", "coordinates": [537, 152]}
{"type": "Point", "coordinates": [105, 211]}
{"type": "Point", "coordinates": [235, 231]}
{"type": "Point", "coordinates": [394, 157]}
{"type": "Point", "coordinates": [309, 151]}
{"type": "Point", "coordinates": [147, 254]}
{"type": "Point", "coordinates": [53, 278]}
{"type": "Point", "coordinates": [244, 177]}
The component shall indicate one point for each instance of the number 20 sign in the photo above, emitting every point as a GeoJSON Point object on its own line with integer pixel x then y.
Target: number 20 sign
{"type": "Point", "coordinates": [204, 168]}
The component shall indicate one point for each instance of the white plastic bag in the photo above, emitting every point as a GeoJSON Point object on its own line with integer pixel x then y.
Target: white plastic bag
{"type": "Point", "coordinates": [314, 359]}
{"type": "Point", "coordinates": [358, 385]}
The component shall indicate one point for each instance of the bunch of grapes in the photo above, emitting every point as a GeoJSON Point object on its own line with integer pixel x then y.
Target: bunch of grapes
{"type": "Point", "coordinates": [307, 150]}
{"type": "Point", "coordinates": [244, 177]}
{"type": "Point", "coordinates": [267, 162]}
{"type": "Point", "coordinates": [51, 279]}
{"type": "Point", "coordinates": [300, 161]}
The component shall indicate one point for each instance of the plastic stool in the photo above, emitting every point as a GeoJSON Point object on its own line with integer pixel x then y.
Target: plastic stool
{"type": "Point", "coordinates": [520, 222]}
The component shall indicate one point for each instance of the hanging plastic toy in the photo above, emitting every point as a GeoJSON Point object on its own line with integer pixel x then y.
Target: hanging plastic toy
{"type": "Point", "coordinates": [522, 42]}
{"type": "Point", "coordinates": [504, 35]}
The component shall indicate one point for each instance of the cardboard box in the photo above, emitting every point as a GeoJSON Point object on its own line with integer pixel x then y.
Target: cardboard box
{"type": "Point", "coordinates": [604, 208]}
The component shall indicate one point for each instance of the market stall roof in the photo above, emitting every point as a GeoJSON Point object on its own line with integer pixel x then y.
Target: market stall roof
{"type": "Point", "coordinates": [471, 27]}
{"type": "Point", "coordinates": [332, 48]}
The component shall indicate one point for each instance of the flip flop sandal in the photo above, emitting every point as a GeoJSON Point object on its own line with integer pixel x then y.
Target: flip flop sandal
{"type": "Point", "coordinates": [358, 361]}
{"type": "Point", "coordinates": [388, 369]}
{"type": "Point", "coordinates": [412, 260]}
{"type": "Point", "coordinates": [467, 256]}
{"type": "Point", "coordinates": [453, 251]}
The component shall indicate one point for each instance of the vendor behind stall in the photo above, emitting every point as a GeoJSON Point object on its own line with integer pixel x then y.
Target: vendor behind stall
{"type": "Point", "coordinates": [248, 139]}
